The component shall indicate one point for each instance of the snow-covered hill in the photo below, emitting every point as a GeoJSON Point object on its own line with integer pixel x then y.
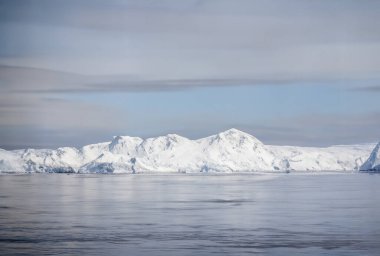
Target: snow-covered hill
{"type": "Point", "coordinates": [229, 151]}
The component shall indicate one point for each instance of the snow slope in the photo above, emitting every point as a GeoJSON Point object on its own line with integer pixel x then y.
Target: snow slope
{"type": "Point", "coordinates": [373, 162]}
{"type": "Point", "coordinates": [229, 151]}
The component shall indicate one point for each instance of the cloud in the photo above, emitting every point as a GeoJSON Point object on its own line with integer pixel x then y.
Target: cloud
{"type": "Point", "coordinates": [35, 80]}
{"type": "Point", "coordinates": [53, 51]}
{"type": "Point", "coordinates": [171, 40]}
{"type": "Point", "coordinates": [318, 129]}
{"type": "Point", "coordinates": [372, 88]}
{"type": "Point", "coordinates": [52, 122]}
{"type": "Point", "coordinates": [32, 102]}
{"type": "Point", "coordinates": [27, 80]}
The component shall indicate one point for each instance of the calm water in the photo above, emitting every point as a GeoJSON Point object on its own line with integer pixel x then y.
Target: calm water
{"type": "Point", "coordinates": [333, 214]}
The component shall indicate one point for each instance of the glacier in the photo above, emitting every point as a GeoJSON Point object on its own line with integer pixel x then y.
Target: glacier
{"type": "Point", "coordinates": [373, 162]}
{"type": "Point", "coordinates": [226, 152]}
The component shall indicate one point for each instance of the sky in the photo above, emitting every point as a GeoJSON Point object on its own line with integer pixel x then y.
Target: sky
{"type": "Point", "coordinates": [289, 72]}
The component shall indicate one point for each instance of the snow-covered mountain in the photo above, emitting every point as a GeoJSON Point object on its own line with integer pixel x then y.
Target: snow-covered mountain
{"type": "Point", "coordinates": [229, 151]}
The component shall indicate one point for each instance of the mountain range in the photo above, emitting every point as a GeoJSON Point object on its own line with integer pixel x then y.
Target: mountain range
{"type": "Point", "coordinates": [228, 151]}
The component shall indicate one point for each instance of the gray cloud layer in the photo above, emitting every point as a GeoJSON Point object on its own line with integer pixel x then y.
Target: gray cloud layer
{"type": "Point", "coordinates": [51, 48]}
{"type": "Point", "coordinates": [196, 39]}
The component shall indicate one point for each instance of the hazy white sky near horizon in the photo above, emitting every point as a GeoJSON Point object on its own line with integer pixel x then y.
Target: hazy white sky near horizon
{"type": "Point", "coordinates": [289, 72]}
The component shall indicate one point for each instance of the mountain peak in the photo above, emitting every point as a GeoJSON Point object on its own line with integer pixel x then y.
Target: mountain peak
{"type": "Point", "coordinates": [233, 131]}
{"type": "Point", "coordinates": [174, 136]}
{"type": "Point", "coordinates": [235, 134]}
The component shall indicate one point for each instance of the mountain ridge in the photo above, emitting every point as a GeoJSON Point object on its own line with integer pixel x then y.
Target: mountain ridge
{"type": "Point", "coordinates": [228, 151]}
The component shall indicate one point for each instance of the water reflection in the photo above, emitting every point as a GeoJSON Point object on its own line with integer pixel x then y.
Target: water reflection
{"type": "Point", "coordinates": [188, 214]}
